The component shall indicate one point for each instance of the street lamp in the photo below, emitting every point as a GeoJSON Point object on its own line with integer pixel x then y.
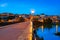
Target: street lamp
{"type": "Point", "coordinates": [32, 12]}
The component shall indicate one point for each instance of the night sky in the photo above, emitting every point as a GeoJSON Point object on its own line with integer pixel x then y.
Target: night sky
{"type": "Point", "coordinates": [49, 7]}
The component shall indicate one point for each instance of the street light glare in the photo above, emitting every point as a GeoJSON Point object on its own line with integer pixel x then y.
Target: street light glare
{"type": "Point", "coordinates": [32, 11]}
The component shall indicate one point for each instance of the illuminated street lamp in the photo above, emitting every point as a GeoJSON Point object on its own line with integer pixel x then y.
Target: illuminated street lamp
{"type": "Point", "coordinates": [32, 12]}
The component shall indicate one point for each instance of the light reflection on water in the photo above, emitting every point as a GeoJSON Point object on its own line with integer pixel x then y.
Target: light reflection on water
{"type": "Point", "coordinates": [48, 34]}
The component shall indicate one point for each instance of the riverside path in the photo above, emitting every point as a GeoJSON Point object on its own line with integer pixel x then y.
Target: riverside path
{"type": "Point", "coordinates": [18, 31]}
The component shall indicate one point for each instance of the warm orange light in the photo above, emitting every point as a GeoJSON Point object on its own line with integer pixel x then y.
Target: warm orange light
{"type": "Point", "coordinates": [42, 28]}
{"type": "Point", "coordinates": [10, 20]}
{"type": "Point", "coordinates": [30, 36]}
{"type": "Point", "coordinates": [2, 21]}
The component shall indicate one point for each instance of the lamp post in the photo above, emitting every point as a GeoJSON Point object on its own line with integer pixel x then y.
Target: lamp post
{"type": "Point", "coordinates": [32, 12]}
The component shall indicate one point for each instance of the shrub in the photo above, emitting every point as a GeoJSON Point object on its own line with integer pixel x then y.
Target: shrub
{"type": "Point", "coordinates": [47, 21]}
{"type": "Point", "coordinates": [21, 19]}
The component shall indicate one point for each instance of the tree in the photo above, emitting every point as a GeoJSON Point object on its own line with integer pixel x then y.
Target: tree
{"type": "Point", "coordinates": [0, 17]}
{"type": "Point", "coordinates": [21, 19]}
{"type": "Point", "coordinates": [42, 14]}
{"type": "Point", "coordinates": [35, 19]}
{"type": "Point", "coordinates": [47, 21]}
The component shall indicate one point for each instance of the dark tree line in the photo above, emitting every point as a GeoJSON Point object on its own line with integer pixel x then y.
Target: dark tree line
{"type": "Point", "coordinates": [47, 21]}
{"type": "Point", "coordinates": [21, 19]}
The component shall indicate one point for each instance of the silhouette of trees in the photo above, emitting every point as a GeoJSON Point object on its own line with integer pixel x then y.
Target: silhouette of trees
{"type": "Point", "coordinates": [47, 21]}
{"type": "Point", "coordinates": [35, 19]}
{"type": "Point", "coordinates": [36, 24]}
{"type": "Point", "coordinates": [42, 14]}
{"type": "Point", "coordinates": [0, 18]}
{"type": "Point", "coordinates": [21, 19]}
{"type": "Point", "coordinates": [10, 17]}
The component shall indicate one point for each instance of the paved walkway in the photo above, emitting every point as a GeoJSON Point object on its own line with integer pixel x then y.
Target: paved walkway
{"type": "Point", "coordinates": [19, 31]}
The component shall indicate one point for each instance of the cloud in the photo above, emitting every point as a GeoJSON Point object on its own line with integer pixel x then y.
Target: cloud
{"type": "Point", "coordinates": [3, 5]}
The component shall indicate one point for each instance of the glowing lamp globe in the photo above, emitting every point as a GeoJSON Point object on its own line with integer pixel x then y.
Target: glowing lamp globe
{"type": "Point", "coordinates": [32, 11]}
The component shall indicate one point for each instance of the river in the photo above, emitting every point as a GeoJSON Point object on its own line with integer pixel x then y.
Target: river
{"type": "Point", "coordinates": [48, 33]}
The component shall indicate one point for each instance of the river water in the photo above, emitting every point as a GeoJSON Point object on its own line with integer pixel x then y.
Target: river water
{"type": "Point", "coordinates": [48, 33]}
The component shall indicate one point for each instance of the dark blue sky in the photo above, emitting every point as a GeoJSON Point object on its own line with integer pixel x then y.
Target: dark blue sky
{"type": "Point", "coordinates": [49, 7]}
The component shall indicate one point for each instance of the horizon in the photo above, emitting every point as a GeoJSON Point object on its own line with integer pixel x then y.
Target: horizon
{"type": "Point", "coordinates": [48, 7]}
{"type": "Point", "coordinates": [27, 14]}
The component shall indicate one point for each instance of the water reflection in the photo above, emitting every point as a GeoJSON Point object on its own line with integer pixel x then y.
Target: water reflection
{"type": "Point", "coordinates": [48, 26]}
{"type": "Point", "coordinates": [47, 32]}
{"type": "Point", "coordinates": [42, 28]}
{"type": "Point", "coordinates": [56, 28]}
{"type": "Point", "coordinates": [35, 36]}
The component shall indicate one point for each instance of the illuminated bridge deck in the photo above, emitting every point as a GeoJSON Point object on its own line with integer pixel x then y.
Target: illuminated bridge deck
{"type": "Point", "coordinates": [19, 31]}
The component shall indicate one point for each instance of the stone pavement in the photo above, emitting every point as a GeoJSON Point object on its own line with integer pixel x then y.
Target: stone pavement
{"type": "Point", "coordinates": [19, 31]}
